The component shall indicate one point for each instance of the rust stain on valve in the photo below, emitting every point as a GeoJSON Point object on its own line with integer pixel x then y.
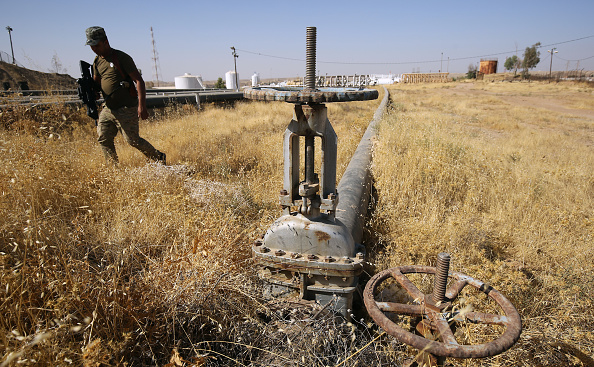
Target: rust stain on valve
{"type": "Point", "coordinates": [322, 236]}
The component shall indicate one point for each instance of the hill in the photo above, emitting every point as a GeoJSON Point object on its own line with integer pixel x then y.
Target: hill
{"type": "Point", "coordinates": [15, 76]}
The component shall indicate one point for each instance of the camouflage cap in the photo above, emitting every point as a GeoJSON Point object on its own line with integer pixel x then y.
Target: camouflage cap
{"type": "Point", "coordinates": [94, 35]}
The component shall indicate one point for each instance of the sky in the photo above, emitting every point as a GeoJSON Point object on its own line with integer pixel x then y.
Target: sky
{"type": "Point", "coordinates": [353, 37]}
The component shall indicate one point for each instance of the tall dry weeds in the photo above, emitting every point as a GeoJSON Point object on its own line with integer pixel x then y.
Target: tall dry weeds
{"type": "Point", "coordinates": [508, 190]}
{"type": "Point", "coordinates": [141, 264]}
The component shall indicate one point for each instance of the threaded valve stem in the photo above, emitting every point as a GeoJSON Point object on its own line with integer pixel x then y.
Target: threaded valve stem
{"type": "Point", "coordinates": [440, 281]}
{"type": "Point", "coordinates": [310, 59]}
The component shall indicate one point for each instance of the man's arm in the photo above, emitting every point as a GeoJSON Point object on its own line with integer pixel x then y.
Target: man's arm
{"type": "Point", "coordinates": [97, 80]}
{"type": "Point", "coordinates": [141, 89]}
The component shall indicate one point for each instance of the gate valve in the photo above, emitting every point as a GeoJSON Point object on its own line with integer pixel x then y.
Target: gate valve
{"type": "Point", "coordinates": [308, 224]}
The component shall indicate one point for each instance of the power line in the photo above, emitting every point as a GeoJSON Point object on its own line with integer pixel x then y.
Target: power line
{"type": "Point", "coordinates": [562, 42]}
{"type": "Point", "coordinates": [416, 62]}
{"type": "Point", "coordinates": [586, 58]}
{"type": "Point", "coordinates": [273, 56]}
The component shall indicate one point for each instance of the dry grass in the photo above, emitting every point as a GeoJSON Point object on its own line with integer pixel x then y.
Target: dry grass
{"type": "Point", "coordinates": [506, 189]}
{"type": "Point", "coordinates": [141, 264]}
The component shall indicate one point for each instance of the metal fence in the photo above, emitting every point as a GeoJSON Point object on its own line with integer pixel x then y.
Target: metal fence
{"type": "Point", "coordinates": [5, 57]}
{"type": "Point", "coordinates": [575, 75]}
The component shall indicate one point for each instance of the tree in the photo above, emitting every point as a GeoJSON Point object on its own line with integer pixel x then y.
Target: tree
{"type": "Point", "coordinates": [512, 63]}
{"type": "Point", "coordinates": [220, 84]}
{"type": "Point", "coordinates": [531, 59]}
{"type": "Point", "coordinates": [56, 65]}
{"type": "Point", "coordinates": [471, 74]}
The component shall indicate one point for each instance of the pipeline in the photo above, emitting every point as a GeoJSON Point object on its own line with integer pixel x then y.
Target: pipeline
{"type": "Point", "coordinates": [355, 185]}
{"type": "Point", "coordinates": [192, 98]}
{"type": "Point", "coordinates": [152, 101]}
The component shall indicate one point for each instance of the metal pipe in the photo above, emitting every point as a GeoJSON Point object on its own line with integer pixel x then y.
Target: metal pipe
{"type": "Point", "coordinates": [354, 189]}
{"type": "Point", "coordinates": [180, 90]}
{"type": "Point", "coordinates": [162, 101]}
{"type": "Point", "coordinates": [151, 100]}
{"type": "Point", "coordinates": [309, 159]}
{"type": "Point", "coordinates": [39, 92]}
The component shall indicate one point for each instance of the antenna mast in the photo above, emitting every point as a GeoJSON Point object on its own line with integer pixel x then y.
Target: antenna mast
{"type": "Point", "coordinates": [155, 59]}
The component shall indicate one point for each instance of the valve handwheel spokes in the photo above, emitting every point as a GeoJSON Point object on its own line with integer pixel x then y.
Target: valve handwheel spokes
{"type": "Point", "coordinates": [438, 315]}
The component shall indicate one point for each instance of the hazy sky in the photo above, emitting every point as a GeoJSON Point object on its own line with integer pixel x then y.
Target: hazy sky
{"type": "Point", "coordinates": [359, 37]}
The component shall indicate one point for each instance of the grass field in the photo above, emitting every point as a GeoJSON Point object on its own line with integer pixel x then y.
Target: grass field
{"type": "Point", "coordinates": [140, 264]}
{"type": "Point", "coordinates": [507, 189]}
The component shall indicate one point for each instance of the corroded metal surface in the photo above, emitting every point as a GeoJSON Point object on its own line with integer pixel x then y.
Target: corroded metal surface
{"type": "Point", "coordinates": [301, 95]}
{"type": "Point", "coordinates": [440, 315]}
{"type": "Point", "coordinates": [319, 236]}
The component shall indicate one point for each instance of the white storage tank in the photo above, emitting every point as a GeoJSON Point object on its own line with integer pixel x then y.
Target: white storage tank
{"type": "Point", "coordinates": [230, 80]}
{"type": "Point", "coordinates": [200, 82]}
{"type": "Point", "coordinates": [255, 80]}
{"type": "Point", "coordinates": [186, 81]}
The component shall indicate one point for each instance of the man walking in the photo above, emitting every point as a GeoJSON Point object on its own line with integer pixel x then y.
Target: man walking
{"type": "Point", "coordinates": [124, 93]}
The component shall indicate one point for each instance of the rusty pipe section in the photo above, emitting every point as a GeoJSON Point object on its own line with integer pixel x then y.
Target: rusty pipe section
{"type": "Point", "coordinates": [354, 188]}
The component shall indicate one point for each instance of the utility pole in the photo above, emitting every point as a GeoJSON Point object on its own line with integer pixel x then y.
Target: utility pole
{"type": "Point", "coordinates": [155, 58]}
{"type": "Point", "coordinates": [235, 56]}
{"type": "Point", "coordinates": [9, 29]}
{"type": "Point", "coordinates": [552, 51]}
{"type": "Point", "coordinates": [577, 66]}
{"type": "Point", "coordinates": [441, 63]}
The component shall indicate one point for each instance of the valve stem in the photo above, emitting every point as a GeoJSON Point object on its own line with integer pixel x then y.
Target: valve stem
{"type": "Point", "coordinates": [310, 59]}
{"type": "Point", "coordinates": [440, 281]}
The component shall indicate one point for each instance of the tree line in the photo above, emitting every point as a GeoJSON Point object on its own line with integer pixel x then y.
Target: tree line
{"type": "Point", "coordinates": [529, 61]}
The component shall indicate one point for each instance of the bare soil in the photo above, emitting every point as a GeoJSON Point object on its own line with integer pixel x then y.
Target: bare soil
{"type": "Point", "coordinates": [36, 80]}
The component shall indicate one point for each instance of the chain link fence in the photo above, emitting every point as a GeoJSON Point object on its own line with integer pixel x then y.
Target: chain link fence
{"type": "Point", "coordinates": [7, 58]}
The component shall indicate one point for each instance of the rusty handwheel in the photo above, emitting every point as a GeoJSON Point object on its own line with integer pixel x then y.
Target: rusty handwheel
{"type": "Point", "coordinates": [437, 314]}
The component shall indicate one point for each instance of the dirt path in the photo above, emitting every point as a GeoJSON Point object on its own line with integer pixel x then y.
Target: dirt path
{"type": "Point", "coordinates": [548, 104]}
{"type": "Point", "coordinates": [543, 102]}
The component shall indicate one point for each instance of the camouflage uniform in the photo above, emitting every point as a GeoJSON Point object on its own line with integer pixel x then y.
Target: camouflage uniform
{"type": "Point", "coordinates": [120, 110]}
{"type": "Point", "coordinates": [124, 119]}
